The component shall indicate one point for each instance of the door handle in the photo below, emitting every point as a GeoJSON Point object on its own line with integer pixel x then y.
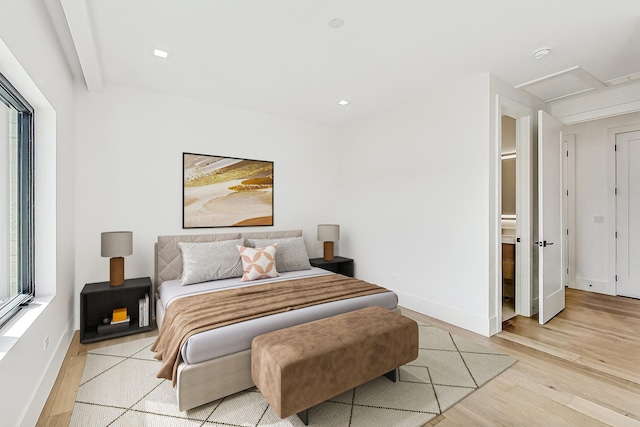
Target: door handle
{"type": "Point", "coordinates": [544, 243]}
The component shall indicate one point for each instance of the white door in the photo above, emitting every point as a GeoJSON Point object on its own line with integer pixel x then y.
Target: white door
{"type": "Point", "coordinates": [628, 214]}
{"type": "Point", "coordinates": [550, 243]}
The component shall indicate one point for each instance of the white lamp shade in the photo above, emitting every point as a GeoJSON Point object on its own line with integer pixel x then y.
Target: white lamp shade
{"type": "Point", "coordinates": [328, 232]}
{"type": "Point", "coordinates": [116, 243]}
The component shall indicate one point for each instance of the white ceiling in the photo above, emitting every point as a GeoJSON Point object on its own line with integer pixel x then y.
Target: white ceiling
{"type": "Point", "coordinates": [282, 57]}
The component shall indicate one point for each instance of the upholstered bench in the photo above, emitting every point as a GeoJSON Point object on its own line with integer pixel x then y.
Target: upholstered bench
{"type": "Point", "coordinates": [299, 367]}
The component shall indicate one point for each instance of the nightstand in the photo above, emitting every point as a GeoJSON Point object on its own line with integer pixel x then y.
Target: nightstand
{"type": "Point", "coordinates": [338, 265]}
{"type": "Point", "coordinates": [97, 300]}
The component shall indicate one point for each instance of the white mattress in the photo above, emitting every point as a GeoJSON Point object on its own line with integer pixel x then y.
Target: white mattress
{"type": "Point", "coordinates": [237, 337]}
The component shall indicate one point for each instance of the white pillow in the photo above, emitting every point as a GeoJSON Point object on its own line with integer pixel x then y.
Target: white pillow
{"type": "Point", "coordinates": [202, 262]}
{"type": "Point", "coordinates": [291, 254]}
{"type": "Point", "coordinates": [258, 263]}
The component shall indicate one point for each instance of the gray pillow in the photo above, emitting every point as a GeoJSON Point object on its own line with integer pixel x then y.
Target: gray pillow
{"type": "Point", "coordinates": [291, 254]}
{"type": "Point", "coordinates": [202, 262]}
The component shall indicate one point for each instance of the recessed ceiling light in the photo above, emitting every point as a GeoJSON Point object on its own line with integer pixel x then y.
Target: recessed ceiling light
{"type": "Point", "coordinates": [541, 53]}
{"type": "Point", "coordinates": [161, 53]}
{"type": "Point", "coordinates": [336, 23]}
{"type": "Point", "coordinates": [344, 102]}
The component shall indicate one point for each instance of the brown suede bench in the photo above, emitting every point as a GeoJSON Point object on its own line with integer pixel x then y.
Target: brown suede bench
{"type": "Point", "coordinates": [299, 367]}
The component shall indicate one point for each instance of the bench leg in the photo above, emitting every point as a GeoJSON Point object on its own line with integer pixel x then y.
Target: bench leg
{"type": "Point", "coordinates": [304, 417]}
{"type": "Point", "coordinates": [392, 375]}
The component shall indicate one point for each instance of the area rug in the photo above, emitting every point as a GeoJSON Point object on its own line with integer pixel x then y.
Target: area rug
{"type": "Point", "coordinates": [119, 388]}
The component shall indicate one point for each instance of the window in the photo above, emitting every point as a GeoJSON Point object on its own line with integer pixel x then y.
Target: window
{"type": "Point", "coordinates": [17, 199]}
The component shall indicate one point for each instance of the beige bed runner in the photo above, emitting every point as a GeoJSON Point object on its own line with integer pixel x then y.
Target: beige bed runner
{"type": "Point", "coordinates": [191, 315]}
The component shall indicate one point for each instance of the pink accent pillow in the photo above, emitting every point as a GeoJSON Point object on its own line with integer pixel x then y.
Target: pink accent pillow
{"type": "Point", "coordinates": [258, 263]}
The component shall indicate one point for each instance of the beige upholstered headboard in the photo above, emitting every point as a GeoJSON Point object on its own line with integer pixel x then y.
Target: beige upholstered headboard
{"type": "Point", "coordinates": [168, 259]}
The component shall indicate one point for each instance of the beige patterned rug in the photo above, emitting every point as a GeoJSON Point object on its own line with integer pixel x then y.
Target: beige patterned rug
{"type": "Point", "coordinates": [119, 388]}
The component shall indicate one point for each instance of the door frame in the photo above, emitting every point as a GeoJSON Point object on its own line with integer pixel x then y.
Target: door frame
{"type": "Point", "coordinates": [569, 206]}
{"type": "Point", "coordinates": [524, 207]}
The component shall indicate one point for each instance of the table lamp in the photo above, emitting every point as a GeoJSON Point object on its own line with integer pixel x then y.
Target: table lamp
{"type": "Point", "coordinates": [328, 233]}
{"type": "Point", "coordinates": [116, 245]}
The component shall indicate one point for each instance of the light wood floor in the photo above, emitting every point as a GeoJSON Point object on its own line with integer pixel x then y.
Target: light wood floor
{"type": "Point", "coordinates": [580, 369]}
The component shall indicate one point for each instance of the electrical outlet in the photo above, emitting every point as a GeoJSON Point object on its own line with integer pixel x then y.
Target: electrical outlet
{"type": "Point", "coordinates": [598, 219]}
{"type": "Point", "coordinates": [46, 342]}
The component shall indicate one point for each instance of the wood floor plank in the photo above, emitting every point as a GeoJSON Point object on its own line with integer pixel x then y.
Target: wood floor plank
{"type": "Point", "coordinates": [66, 397]}
{"type": "Point", "coordinates": [562, 413]}
{"type": "Point", "coordinates": [464, 416]}
{"type": "Point", "coordinates": [60, 420]}
{"type": "Point", "coordinates": [564, 386]}
{"type": "Point", "coordinates": [541, 346]}
{"type": "Point", "coordinates": [603, 414]}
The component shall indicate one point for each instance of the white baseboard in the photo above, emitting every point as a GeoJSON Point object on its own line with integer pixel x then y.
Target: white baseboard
{"type": "Point", "coordinates": [595, 286]}
{"type": "Point", "coordinates": [452, 315]}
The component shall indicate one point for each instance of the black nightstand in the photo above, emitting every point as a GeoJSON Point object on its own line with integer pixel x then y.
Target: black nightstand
{"type": "Point", "coordinates": [97, 300]}
{"type": "Point", "coordinates": [338, 265]}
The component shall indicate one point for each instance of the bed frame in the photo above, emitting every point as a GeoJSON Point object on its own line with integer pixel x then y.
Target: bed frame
{"type": "Point", "coordinates": [205, 382]}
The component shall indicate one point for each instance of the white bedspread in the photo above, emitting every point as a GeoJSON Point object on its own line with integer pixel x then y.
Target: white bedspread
{"type": "Point", "coordinates": [237, 337]}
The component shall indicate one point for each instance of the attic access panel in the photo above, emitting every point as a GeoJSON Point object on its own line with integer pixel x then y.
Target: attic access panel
{"type": "Point", "coordinates": [562, 84]}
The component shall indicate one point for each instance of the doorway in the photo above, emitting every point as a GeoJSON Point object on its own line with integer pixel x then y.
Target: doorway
{"type": "Point", "coordinates": [522, 220]}
{"type": "Point", "coordinates": [508, 157]}
{"type": "Point", "coordinates": [593, 262]}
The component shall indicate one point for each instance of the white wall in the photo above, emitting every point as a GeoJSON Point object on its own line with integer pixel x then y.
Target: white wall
{"type": "Point", "coordinates": [420, 191]}
{"type": "Point", "coordinates": [415, 198]}
{"type": "Point", "coordinates": [129, 167]}
{"type": "Point", "coordinates": [593, 264]}
{"type": "Point", "coordinates": [31, 58]}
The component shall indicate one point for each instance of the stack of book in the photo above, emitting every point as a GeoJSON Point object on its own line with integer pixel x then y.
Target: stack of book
{"type": "Point", "coordinates": [143, 305]}
{"type": "Point", "coordinates": [119, 322]}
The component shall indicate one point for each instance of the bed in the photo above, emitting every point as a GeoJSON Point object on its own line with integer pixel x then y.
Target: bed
{"type": "Point", "coordinates": [215, 363]}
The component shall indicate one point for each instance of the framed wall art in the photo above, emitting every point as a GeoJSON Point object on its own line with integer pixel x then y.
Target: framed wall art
{"type": "Point", "coordinates": [226, 192]}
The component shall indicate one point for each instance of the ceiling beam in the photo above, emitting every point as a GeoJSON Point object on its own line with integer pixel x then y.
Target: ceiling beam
{"type": "Point", "coordinates": [80, 20]}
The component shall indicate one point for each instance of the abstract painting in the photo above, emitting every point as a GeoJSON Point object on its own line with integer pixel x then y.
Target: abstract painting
{"type": "Point", "coordinates": [226, 192]}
